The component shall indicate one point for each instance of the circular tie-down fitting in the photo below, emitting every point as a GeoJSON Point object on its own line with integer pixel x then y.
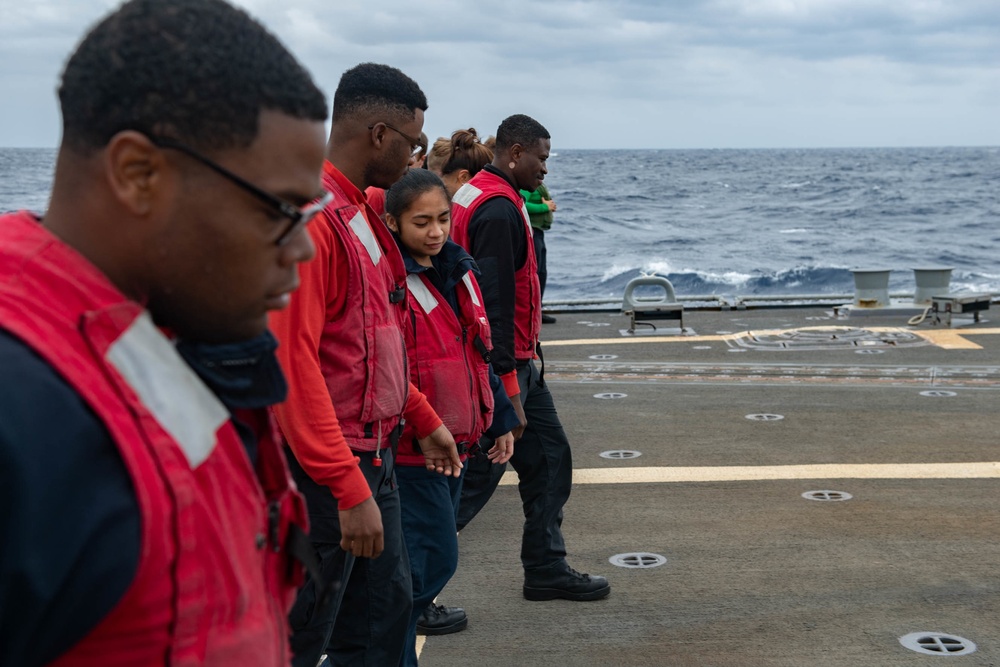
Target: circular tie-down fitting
{"type": "Point", "coordinates": [765, 417]}
{"type": "Point", "coordinates": [620, 454]}
{"type": "Point", "coordinates": [937, 643]}
{"type": "Point", "coordinates": [603, 357]}
{"type": "Point", "coordinates": [825, 338]}
{"type": "Point", "coordinates": [938, 393]}
{"type": "Point", "coordinates": [826, 495]}
{"type": "Point", "coordinates": [638, 560]}
{"type": "Point", "coordinates": [610, 395]}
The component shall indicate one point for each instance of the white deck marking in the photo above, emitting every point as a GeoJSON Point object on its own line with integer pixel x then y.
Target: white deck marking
{"type": "Point", "coordinates": [660, 474]}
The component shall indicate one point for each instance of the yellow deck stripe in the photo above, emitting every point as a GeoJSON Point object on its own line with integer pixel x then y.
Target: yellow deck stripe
{"type": "Point", "coordinates": [654, 474]}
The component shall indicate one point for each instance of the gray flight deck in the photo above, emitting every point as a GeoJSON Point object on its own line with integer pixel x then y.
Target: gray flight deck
{"type": "Point", "coordinates": [755, 573]}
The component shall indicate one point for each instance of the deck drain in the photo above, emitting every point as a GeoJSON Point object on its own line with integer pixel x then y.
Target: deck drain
{"type": "Point", "coordinates": [764, 417]}
{"type": "Point", "coordinates": [603, 357]}
{"type": "Point", "coordinates": [610, 395]}
{"type": "Point", "coordinates": [937, 643]}
{"type": "Point", "coordinates": [938, 393]}
{"type": "Point", "coordinates": [620, 454]}
{"type": "Point", "coordinates": [638, 561]}
{"type": "Point", "coordinates": [826, 495]}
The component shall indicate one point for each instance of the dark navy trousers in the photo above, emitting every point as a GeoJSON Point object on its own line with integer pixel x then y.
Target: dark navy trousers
{"type": "Point", "coordinates": [368, 626]}
{"type": "Point", "coordinates": [429, 502]}
{"type": "Point", "coordinates": [544, 465]}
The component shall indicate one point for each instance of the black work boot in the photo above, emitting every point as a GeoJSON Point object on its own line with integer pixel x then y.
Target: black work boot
{"type": "Point", "coordinates": [440, 620]}
{"type": "Point", "coordinates": [563, 582]}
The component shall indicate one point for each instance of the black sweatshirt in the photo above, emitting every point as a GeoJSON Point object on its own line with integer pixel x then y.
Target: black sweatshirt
{"type": "Point", "coordinates": [499, 244]}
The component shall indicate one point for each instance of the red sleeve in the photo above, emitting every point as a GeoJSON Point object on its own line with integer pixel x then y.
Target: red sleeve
{"type": "Point", "coordinates": [308, 419]}
{"type": "Point", "coordinates": [510, 383]}
{"type": "Point", "coordinates": [418, 411]}
{"type": "Point", "coordinates": [376, 199]}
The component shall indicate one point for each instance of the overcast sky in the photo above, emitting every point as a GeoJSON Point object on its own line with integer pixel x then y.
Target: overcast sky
{"type": "Point", "coordinates": [612, 74]}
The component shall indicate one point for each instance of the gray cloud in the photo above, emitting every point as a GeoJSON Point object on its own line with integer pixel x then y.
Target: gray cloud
{"type": "Point", "coordinates": [710, 73]}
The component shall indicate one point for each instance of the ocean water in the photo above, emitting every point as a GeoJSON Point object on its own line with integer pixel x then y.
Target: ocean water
{"type": "Point", "coordinates": [737, 222]}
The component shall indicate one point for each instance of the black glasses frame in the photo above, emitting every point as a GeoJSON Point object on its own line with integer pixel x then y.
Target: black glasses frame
{"type": "Point", "coordinates": [416, 146]}
{"type": "Point", "coordinates": [298, 216]}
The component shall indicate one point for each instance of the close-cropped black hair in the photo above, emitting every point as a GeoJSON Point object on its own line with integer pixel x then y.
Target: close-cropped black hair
{"type": "Point", "coordinates": [371, 87]}
{"type": "Point", "coordinates": [414, 183]}
{"type": "Point", "coordinates": [200, 71]}
{"type": "Point", "coordinates": [520, 129]}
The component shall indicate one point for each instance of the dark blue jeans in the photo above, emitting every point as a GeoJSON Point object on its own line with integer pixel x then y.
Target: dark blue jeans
{"type": "Point", "coordinates": [429, 502]}
{"type": "Point", "coordinates": [544, 465]}
{"type": "Point", "coordinates": [368, 627]}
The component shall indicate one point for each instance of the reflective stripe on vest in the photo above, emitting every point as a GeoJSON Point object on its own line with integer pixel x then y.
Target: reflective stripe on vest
{"type": "Point", "coordinates": [176, 396]}
{"type": "Point", "coordinates": [466, 194]}
{"type": "Point", "coordinates": [361, 229]}
{"type": "Point", "coordinates": [419, 291]}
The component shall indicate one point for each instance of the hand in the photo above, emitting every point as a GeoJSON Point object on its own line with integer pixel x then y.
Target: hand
{"type": "Point", "coordinates": [518, 430]}
{"type": "Point", "coordinates": [551, 204]}
{"type": "Point", "coordinates": [502, 449]}
{"type": "Point", "coordinates": [440, 452]}
{"type": "Point", "coordinates": [361, 530]}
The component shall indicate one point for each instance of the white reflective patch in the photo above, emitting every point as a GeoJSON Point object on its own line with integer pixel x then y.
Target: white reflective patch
{"type": "Point", "coordinates": [364, 233]}
{"type": "Point", "coordinates": [524, 214]}
{"type": "Point", "coordinates": [419, 291]}
{"type": "Point", "coordinates": [466, 194]}
{"type": "Point", "coordinates": [467, 279]}
{"type": "Point", "coordinates": [167, 386]}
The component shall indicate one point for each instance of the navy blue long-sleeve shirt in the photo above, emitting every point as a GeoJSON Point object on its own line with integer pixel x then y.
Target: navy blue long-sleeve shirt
{"type": "Point", "coordinates": [69, 520]}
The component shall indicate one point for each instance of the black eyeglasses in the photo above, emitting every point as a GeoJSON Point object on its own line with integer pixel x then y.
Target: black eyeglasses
{"type": "Point", "coordinates": [298, 216]}
{"type": "Point", "coordinates": [416, 146]}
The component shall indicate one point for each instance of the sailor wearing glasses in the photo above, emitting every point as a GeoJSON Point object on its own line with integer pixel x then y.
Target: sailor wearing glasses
{"type": "Point", "coordinates": [343, 348]}
{"type": "Point", "coordinates": [147, 507]}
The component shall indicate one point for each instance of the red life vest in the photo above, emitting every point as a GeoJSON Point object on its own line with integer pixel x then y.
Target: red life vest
{"type": "Point", "coordinates": [363, 353]}
{"type": "Point", "coordinates": [449, 361]}
{"type": "Point", "coordinates": [213, 582]}
{"type": "Point", "coordinates": [527, 293]}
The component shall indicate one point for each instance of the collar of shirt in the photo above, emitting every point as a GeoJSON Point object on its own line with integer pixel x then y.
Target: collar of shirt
{"type": "Point", "coordinates": [355, 196]}
{"type": "Point", "coordinates": [496, 172]}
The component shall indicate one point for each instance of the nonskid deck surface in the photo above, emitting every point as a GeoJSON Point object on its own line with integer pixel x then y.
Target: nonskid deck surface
{"type": "Point", "coordinates": [734, 421]}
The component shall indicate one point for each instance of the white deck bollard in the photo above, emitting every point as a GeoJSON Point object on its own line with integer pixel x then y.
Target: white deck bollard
{"type": "Point", "coordinates": [871, 288]}
{"type": "Point", "coordinates": [931, 281]}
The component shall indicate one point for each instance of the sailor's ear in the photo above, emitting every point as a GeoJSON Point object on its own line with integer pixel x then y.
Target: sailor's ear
{"type": "Point", "coordinates": [391, 223]}
{"type": "Point", "coordinates": [463, 176]}
{"type": "Point", "coordinates": [136, 171]}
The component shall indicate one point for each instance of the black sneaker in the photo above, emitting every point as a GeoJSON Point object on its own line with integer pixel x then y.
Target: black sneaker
{"type": "Point", "coordinates": [548, 319]}
{"type": "Point", "coordinates": [440, 620]}
{"type": "Point", "coordinates": [563, 582]}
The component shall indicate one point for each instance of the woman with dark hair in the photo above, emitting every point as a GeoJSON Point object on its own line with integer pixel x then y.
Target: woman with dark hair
{"type": "Point", "coordinates": [448, 347]}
